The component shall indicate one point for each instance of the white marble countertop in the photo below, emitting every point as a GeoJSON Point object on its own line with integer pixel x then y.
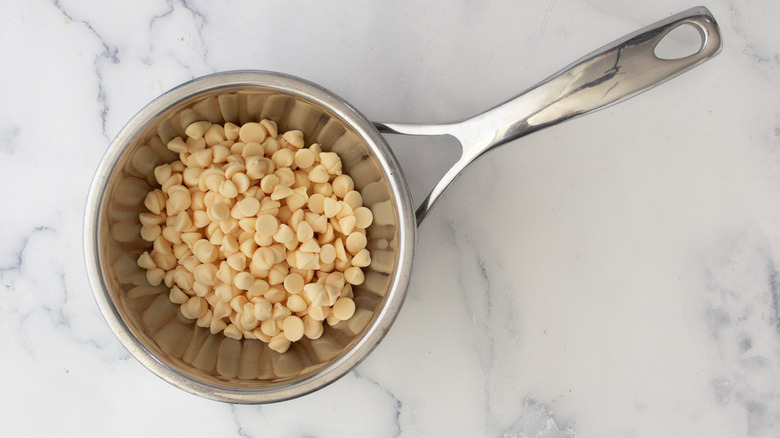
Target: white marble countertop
{"type": "Point", "coordinates": [617, 275]}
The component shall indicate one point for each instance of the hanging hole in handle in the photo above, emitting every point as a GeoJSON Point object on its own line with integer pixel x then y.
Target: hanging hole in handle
{"type": "Point", "coordinates": [681, 42]}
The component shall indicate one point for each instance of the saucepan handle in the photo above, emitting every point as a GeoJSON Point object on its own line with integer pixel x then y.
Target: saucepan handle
{"type": "Point", "coordinates": [606, 76]}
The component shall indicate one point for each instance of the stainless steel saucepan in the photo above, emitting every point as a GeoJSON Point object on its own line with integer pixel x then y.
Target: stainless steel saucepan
{"type": "Point", "coordinates": [246, 371]}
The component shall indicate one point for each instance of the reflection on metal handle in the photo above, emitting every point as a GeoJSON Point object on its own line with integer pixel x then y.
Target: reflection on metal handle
{"type": "Point", "coordinates": [607, 76]}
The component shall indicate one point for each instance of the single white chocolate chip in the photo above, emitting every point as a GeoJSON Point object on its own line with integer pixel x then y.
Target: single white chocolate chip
{"type": "Point", "coordinates": [316, 203]}
{"type": "Point", "coordinates": [280, 312]}
{"type": "Point", "coordinates": [258, 288]}
{"type": "Point", "coordinates": [145, 261]}
{"type": "Point", "coordinates": [284, 234]}
{"type": "Point", "coordinates": [204, 250]}
{"type": "Point", "coordinates": [228, 189]}
{"type": "Point", "coordinates": [237, 261]}
{"type": "Point", "coordinates": [237, 303]}
{"type": "Point", "coordinates": [195, 144]}
{"type": "Point", "coordinates": [206, 274]}
{"type": "Point", "coordinates": [347, 224]}
{"type": "Point", "coordinates": [243, 280]}
{"type": "Point", "coordinates": [214, 135]}
{"type": "Point", "coordinates": [252, 149]}
{"type": "Point", "coordinates": [177, 145]}
{"type": "Point", "coordinates": [361, 259]}
{"type": "Point", "coordinates": [292, 328]}
{"type": "Point", "coordinates": [263, 257]}
{"type": "Point", "coordinates": [320, 224]}
{"type": "Point", "coordinates": [344, 308]}
{"type": "Point", "coordinates": [283, 158]}
{"type": "Point", "coordinates": [341, 252]}
{"type": "Point", "coordinates": [266, 225]}
{"type": "Point", "coordinates": [248, 320]}
{"type": "Point", "coordinates": [162, 173]}
{"type": "Point", "coordinates": [296, 303]}
{"type": "Point", "coordinates": [178, 200]}
{"type": "Point", "coordinates": [318, 174]}
{"type": "Point", "coordinates": [304, 158]}
{"type": "Point", "coordinates": [219, 211]}
{"type": "Point", "coordinates": [327, 253]}
{"type": "Point", "coordinates": [304, 232]}
{"type": "Point", "coordinates": [354, 275]}
{"type": "Point", "coordinates": [233, 332]}
{"type": "Point", "coordinates": [311, 246]}
{"type": "Point", "coordinates": [294, 137]}
{"type": "Point", "coordinates": [155, 201]}
{"type": "Point", "coordinates": [298, 199]}
{"type": "Point", "coordinates": [249, 206]}
{"type": "Point", "coordinates": [270, 146]}
{"type": "Point", "coordinates": [252, 131]}
{"type": "Point", "coordinates": [342, 185]}
{"type": "Point", "coordinates": [363, 217]}
{"type": "Point", "coordinates": [312, 328]}
{"type": "Point", "coordinates": [281, 192]}
{"type": "Point", "coordinates": [202, 157]}
{"type": "Point", "coordinates": [355, 242]}
{"type": "Point", "coordinates": [293, 283]}
{"type": "Point", "coordinates": [331, 207]}
{"type": "Point", "coordinates": [155, 276]}
{"type": "Point", "coordinates": [224, 292]}
{"type": "Point", "coordinates": [269, 327]}
{"type": "Point", "coordinates": [276, 274]}
{"type": "Point", "coordinates": [323, 188]}
{"type": "Point", "coordinates": [200, 289]}
{"type": "Point", "coordinates": [177, 296]}
{"type": "Point", "coordinates": [279, 343]}
{"type": "Point", "coordinates": [220, 153]}
{"type": "Point", "coordinates": [150, 219]}
{"type": "Point", "coordinates": [231, 131]}
{"type": "Point", "coordinates": [216, 325]}
{"type": "Point", "coordinates": [269, 183]}
{"type": "Point", "coordinates": [229, 243]}
{"type": "Point", "coordinates": [354, 199]}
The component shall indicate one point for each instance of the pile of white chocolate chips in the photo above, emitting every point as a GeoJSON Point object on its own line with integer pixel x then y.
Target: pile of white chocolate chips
{"type": "Point", "coordinates": [256, 235]}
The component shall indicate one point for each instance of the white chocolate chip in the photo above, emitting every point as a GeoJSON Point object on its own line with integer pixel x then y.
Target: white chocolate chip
{"type": "Point", "coordinates": [304, 232]}
{"type": "Point", "coordinates": [294, 137]}
{"type": "Point", "coordinates": [361, 259]}
{"type": "Point", "coordinates": [355, 242]}
{"type": "Point", "coordinates": [342, 185]}
{"type": "Point", "coordinates": [252, 131]}
{"type": "Point", "coordinates": [293, 283]}
{"type": "Point", "coordinates": [304, 158]}
{"type": "Point", "coordinates": [354, 275]}
{"type": "Point", "coordinates": [318, 174]}
{"type": "Point", "coordinates": [344, 308]}
{"type": "Point", "coordinates": [331, 207]}
{"type": "Point", "coordinates": [292, 328]}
